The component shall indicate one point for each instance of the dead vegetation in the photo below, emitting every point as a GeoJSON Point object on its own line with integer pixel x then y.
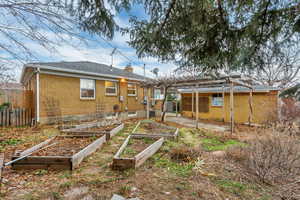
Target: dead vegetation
{"type": "Point", "coordinates": [181, 169]}
{"type": "Point", "coordinates": [185, 154]}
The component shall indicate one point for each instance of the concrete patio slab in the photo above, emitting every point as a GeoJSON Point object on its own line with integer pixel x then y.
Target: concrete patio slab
{"type": "Point", "coordinates": [191, 123]}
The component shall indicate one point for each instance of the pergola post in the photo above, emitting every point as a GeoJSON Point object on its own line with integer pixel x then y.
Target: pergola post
{"type": "Point", "coordinates": [148, 103]}
{"type": "Point", "coordinates": [193, 97]}
{"type": "Point", "coordinates": [223, 106]}
{"type": "Point", "coordinates": [197, 105]}
{"type": "Point", "coordinates": [250, 107]}
{"type": "Point", "coordinates": [176, 104]}
{"type": "Point", "coordinates": [231, 108]}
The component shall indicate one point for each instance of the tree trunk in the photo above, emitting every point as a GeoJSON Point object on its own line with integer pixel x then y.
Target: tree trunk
{"type": "Point", "coordinates": [163, 107]}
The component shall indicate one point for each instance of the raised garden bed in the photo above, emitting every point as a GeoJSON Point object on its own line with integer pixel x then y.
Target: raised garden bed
{"type": "Point", "coordinates": [155, 130]}
{"type": "Point", "coordinates": [135, 151]}
{"type": "Point", "coordinates": [65, 151]}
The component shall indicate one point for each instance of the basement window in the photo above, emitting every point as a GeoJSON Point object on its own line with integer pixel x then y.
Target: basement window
{"type": "Point", "coordinates": [87, 89]}
{"type": "Point", "coordinates": [131, 89]}
{"type": "Point", "coordinates": [217, 100]}
{"type": "Point", "coordinates": [132, 114]}
{"type": "Point", "coordinates": [111, 88]}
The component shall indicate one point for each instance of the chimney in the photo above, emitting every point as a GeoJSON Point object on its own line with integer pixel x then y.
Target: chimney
{"type": "Point", "coordinates": [128, 68]}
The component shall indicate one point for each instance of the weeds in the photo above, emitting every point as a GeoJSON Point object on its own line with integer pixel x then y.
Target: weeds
{"type": "Point", "coordinates": [231, 186]}
{"type": "Point", "coordinates": [125, 190]}
{"type": "Point", "coordinates": [215, 144]}
{"type": "Point", "coordinates": [180, 169]}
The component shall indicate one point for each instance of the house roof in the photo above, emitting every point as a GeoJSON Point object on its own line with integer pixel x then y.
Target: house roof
{"type": "Point", "coordinates": [11, 86]}
{"type": "Point", "coordinates": [256, 88]}
{"type": "Point", "coordinates": [86, 67]}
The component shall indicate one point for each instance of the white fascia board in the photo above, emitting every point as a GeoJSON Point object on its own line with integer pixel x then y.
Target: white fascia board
{"type": "Point", "coordinates": [80, 72]}
{"type": "Point", "coordinates": [76, 75]}
{"type": "Point", "coordinates": [256, 91]}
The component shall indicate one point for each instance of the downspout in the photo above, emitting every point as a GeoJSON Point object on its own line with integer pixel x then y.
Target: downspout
{"type": "Point", "coordinates": [38, 95]}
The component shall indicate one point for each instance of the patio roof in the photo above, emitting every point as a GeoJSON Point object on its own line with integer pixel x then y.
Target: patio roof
{"type": "Point", "coordinates": [218, 89]}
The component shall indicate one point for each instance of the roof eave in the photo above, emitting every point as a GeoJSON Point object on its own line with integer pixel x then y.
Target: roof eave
{"type": "Point", "coordinates": [80, 72]}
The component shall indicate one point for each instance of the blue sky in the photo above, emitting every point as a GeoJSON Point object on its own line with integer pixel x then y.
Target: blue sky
{"type": "Point", "coordinates": [98, 50]}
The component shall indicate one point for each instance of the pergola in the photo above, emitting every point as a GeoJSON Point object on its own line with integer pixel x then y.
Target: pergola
{"type": "Point", "coordinates": [194, 83]}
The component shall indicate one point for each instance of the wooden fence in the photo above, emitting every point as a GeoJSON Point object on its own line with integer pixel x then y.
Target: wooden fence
{"type": "Point", "coordinates": [15, 117]}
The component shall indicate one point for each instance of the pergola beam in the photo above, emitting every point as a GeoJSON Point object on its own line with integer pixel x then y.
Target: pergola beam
{"type": "Point", "coordinates": [237, 82]}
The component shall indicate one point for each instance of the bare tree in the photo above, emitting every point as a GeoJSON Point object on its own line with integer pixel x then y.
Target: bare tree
{"type": "Point", "coordinates": [277, 65]}
{"type": "Point", "coordinates": [28, 22]}
{"type": "Point", "coordinates": [6, 71]}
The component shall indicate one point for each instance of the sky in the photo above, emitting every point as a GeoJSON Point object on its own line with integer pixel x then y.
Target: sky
{"type": "Point", "coordinates": [97, 49]}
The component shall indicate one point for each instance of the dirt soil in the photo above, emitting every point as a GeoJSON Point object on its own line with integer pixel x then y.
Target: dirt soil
{"type": "Point", "coordinates": [136, 146]}
{"type": "Point", "coordinates": [102, 128]}
{"type": "Point", "coordinates": [65, 146]}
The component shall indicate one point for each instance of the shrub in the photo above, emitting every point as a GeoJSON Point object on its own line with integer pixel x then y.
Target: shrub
{"type": "Point", "coordinates": [272, 159]}
{"type": "Point", "coordinates": [184, 154]}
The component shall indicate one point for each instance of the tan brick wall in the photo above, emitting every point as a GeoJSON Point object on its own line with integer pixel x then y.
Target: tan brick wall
{"type": "Point", "coordinates": [264, 108]}
{"type": "Point", "coordinates": [65, 93]}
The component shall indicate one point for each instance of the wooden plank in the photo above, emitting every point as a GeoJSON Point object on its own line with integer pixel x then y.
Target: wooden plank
{"type": "Point", "coordinates": [125, 143]}
{"type": "Point", "coordinates": [34, 148]}
{"type": "Point", "coordinates": [116, 130]}
{"type": "Point", "coordinates": [78, 157]}
{"type": "Point", "coordinates": [82, 132]}
{"type": "Point", "coordinates": [43, 160]}
{"type": "Point", "coordinates": [148, 152]}
{"type": "Point", "coordinates": [140, 135]}
{"type": "Point", "coordinates": [41, 166]}
{"type": "Point", "coordinates": [79, 136]}
{"type": "Point", "coordinates": [123, 163]}
{"type": "Point", "coordinates": [176, 133]}
{"type": "Point", "coordinates": [138, 124]}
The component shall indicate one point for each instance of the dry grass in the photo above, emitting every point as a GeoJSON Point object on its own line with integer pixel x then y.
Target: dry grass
{"type": "Point", "coordinates": [185, 154]}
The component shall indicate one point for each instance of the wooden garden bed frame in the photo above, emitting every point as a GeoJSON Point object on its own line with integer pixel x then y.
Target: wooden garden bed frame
{"type": "Point", "coordinates": [63, 162]}
{"type": "Point", "coordinates": [156, 135]}
{"type": "Point", "coordinates": [126, 163]}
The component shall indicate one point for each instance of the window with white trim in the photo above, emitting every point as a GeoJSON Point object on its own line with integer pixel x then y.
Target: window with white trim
{"type": "Point", "coordinates": [111, 88]}
{"type": "Point", "coordinates": [87, 89]}
{"type": "Point", "coordinates": [132, 114]}
{"type": "Point", "coordinates": [217, 100]}
{"type": "Point", "coordinates": [131, 89]}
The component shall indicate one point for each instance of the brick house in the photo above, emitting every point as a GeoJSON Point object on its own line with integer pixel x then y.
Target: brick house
{"type": "Point", "coordinates": [79, 90]}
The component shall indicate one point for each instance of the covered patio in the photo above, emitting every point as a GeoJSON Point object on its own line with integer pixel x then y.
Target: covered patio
{"type": "Point", "coordinates": [176, 83]}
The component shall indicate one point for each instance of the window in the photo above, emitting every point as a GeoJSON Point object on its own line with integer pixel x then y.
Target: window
{"type": "Point", "coordinates": [132, 114]}
{"type": "Point", "coordinates": [131, 89]}
{"type": "Point", "coordinates": [111, 88]}
{"type": "Point", "coordinates": [217, 100]}
{"type": "Point", "coordinates": [158, 94]}
{"type": "Point", "coordinates": [87, 89]}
